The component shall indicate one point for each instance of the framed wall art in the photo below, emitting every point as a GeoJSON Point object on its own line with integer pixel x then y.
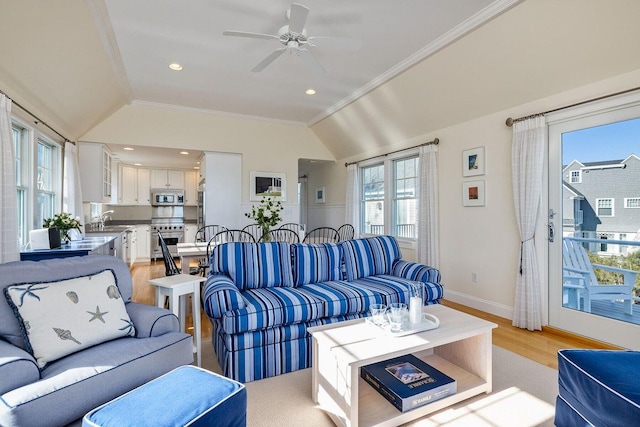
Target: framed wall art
{"type": "Point", "coordinates": [473, 162]}
{"type": "Point", "coordinates": [320, 195]}
{"type": "Point", "coordinates": [267, 184]}
{"type": "Point", "coordinates": [473, 193]}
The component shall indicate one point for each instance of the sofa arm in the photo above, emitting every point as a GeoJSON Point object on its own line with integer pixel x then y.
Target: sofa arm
{"type": "Point", "coordinates": [151, 321]}
{"type": "Point", "coordinates": [17, 368]}
{"type": "Point", "coordinates": [221, 295]}
{"type": "Point", "coordinates": [416, 272]}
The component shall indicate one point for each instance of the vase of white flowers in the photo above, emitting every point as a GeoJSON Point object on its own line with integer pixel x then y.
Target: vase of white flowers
{"type": "Point", "coordinates": [266, 215]}
{"type": "Point", "coordinates": [64, 222]}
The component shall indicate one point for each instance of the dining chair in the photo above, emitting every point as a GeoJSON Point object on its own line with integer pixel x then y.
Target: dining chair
{"type": "Point", "coordinates": [204, 234]}
{"type": "Point", "coordinates": [293, 226]}
{"type": "Point", "coordinates": [281, 235]}
{"type": "Point", "coordinates": [226, 236]}
{"type": "Point", "coordinates": [255, 230]}
{"type": "Point", "coordinates": [321, 235]}
{"type": "Point", "coordinates": [170, 267]}
{"type": "Point", "coordinates": [345, 232]}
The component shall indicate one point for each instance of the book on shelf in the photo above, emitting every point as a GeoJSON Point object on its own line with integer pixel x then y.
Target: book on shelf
{"type": "Point", "coordinates": [408, 382]}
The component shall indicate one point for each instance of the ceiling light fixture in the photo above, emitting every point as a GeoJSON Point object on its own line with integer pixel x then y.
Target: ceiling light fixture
{"type": "Point", "coordinates": [137, 164]}
{"type": "Point", "coordinates": [128, 148]}
{"type": "Point", "coordinates": [186, 153]}
{"type": "Point", "coordinates": [175, 66]}
{"type": "Point", "coordinates": [310, 91]}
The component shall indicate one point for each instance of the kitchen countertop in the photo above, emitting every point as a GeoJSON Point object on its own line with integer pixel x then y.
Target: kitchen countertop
{"type": "Point", "coordinates": [73, 248]}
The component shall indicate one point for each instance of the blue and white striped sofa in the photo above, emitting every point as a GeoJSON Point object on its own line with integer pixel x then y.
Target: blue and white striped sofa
{"type": "Point", "coordinates": [262, 297]}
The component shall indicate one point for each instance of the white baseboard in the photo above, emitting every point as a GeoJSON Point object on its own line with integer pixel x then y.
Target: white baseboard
{"type": "Point", "coordinates": [479, 304]}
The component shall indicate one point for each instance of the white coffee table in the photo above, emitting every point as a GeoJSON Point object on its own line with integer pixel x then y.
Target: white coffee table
{"type": "Point", "coordinates": [460, 347]}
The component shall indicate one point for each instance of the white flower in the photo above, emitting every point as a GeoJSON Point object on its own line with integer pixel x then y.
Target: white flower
{"type": "Point", "coordinates": [267, 214]}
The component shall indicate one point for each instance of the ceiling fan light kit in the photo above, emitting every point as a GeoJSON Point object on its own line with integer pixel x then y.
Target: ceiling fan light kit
{"type": "Point", "coordinates": [293, 36]}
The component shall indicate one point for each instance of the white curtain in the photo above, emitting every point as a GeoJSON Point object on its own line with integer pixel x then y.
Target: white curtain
{"type": "Point", "coordinates": [428, 219]}
{"type": "Point", "coordinates": [71, 191]}
{"type": "Point", "coordinates": [529, 137]}
{"type": "Point", "coordinates": [353, 198]}
{"type": "Point", "coordinates": [9, 246]}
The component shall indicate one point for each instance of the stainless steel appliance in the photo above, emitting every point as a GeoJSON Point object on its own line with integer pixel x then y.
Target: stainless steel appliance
{"type": "Point", "coordinates": [163, 197]}
{"type": "Point", "coordinates": [167, 217]}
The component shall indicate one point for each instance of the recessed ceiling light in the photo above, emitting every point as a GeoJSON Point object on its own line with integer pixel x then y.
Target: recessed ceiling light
{"type": "Point", "coordinates": [128, 149]}
{"type": "Point", "coordinates": [186, 153]}
{"type": "Point", "coordinates": [196, 167]}
{"type": "Point", "coordinates": [137, 164]}
{"type": "Point", "coordinates": [175, 67]}
{"type": "Point", "coordinates": [310, 91]}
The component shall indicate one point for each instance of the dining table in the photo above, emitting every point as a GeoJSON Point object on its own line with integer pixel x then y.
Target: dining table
{"type": "Point", "coordinates": [191, 251]}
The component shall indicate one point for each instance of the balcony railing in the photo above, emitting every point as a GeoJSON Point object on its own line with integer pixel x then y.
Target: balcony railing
{"type": "Point", "coordinates": [402, 230]}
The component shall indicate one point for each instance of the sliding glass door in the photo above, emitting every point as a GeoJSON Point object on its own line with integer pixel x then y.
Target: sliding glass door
{"type": "Point", "coordinates": [594, 221]}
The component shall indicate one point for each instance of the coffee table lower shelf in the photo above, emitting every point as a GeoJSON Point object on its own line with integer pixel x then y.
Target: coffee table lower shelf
{"type": "Point", "coordinates": [375, 410]}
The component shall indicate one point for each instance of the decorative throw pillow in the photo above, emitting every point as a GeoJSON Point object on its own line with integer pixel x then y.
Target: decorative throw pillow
{"type": "Point", "coordinates": [60, 318]}
{"type": "Point", "coordinates": [316, 262]}
{"type": "Point", "coordinates": [370, 257]}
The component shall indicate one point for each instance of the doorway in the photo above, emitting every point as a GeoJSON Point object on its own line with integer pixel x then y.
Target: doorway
{"type": "Point", "coordinates": [594, 216]}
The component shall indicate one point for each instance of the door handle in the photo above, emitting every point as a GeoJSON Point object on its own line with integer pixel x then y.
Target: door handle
{"type": "Point", "coordinates": [552, 232]}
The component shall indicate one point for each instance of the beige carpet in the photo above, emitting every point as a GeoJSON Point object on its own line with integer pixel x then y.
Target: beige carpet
{"type": "Point", "coordinates": [523, 394]}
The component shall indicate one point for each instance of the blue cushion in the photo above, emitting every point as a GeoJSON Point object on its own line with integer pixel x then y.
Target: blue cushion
{"type": "Point", "coordinates": [254, 265]}
{"type": "Point", "coordinates": [340, 297]}
{"type": "Point", "coordinates": [185, 396]}
{"type": "Point", "coordinates": [599, 386]}
{"type": "Point", "coordinates": [369, 257]}
{"type": "Point", "coordinates": [317, 262]}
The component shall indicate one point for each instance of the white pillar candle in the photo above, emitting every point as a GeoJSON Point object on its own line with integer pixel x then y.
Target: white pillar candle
{"type": "Point", "coordinates": [415, 310]}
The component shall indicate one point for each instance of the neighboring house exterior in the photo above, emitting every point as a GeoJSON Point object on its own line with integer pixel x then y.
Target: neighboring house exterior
{"type": "Point", "coordinates": [602, 200]}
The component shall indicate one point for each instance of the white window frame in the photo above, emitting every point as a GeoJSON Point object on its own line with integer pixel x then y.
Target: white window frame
{"type": "Point", "coordinates": [23, 181]}
{"type": "Point", "coordinates": [388, 201]}
{"type": "Point", "coordinates": [627, 201]}
{"type": "Point", "coordinates": [578, 179]}
{"type": "Point", "coordinates": [613, 211]}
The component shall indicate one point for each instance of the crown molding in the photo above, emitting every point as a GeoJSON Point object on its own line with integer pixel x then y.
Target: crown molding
{"type": "Point", "coordinates": [480, 18]}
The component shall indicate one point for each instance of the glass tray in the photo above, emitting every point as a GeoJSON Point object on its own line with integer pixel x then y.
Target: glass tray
{"type": "Point", "coordinates": [429, 321]}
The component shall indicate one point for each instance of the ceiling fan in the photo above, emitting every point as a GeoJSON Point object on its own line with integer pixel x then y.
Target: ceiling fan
{"type": "Point", "coordinates": [293, 37]}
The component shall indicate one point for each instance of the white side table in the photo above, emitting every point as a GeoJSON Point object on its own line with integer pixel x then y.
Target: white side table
{"type": "Point", "coordinates": [174, 287]}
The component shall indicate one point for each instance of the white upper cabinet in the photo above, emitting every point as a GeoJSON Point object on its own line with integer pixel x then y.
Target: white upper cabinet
{"type": "Point", "coordinates": [163, 178]}
{"type": "Point", "coordinates": [134, 186]}
{"type": "Point", "coordinates": [95, 172]}
{"type": "Point", "coordinates": [191, 188]}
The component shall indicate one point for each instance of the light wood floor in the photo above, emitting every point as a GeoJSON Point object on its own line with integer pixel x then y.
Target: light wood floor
{"type": "Point", "coordinates": [540, 346]}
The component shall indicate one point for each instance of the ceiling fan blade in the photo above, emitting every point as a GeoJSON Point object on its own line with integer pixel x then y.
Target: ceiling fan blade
{"type": "Point", "coordinates": [268, 60]}
{"type": "Point", "coordinates": [341, 43]}
{"type": "Point", "coordinates": [250, 35]}
{"type": "Point", "coordinates": [297, 17]}
{"type": "Point", "coordinates": [312, 62]}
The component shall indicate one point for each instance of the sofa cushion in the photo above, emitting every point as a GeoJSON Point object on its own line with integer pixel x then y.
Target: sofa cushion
{"type": "Point", "coordinates": [396, 289]}
{"type": "Point", "coordinates": [369, 257]}
{"type": "Point", "coordinates": [254, 265]}
{"type": "Point", "coordinates": [63, 317]}
{"type": "Point", "coordinates": [340, 297]}
{"type": "Point", "coordinates": [317, 262]}
{"type": "Point", "coordinates": [269, 307]}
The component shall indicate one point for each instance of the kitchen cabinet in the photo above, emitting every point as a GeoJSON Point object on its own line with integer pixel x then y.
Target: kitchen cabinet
{"type": "Point", "coordinates": [143, 243]}
{"type": "Point", "coordinates": [163, 178]}
{"type": "Point", "coordinates": [190, 232]}
{"type": "Point", "coordinates": [134, 186]}
{"type": "Point", "coordinates": [133, 246]}
{"type": "Point", "coordinates": [191, 188]}
{"type": "Point", "coordinates": [95, 172]}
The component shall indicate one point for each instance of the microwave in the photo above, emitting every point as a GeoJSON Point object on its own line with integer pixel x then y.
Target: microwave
{"type": "Point", "coordinates": [167, 198]}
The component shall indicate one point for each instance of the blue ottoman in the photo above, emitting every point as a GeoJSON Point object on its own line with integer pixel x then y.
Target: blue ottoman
{"type": "Point", "coordinates": [186, 396]}
{"type": "Point", "coordinates": [598, 387]}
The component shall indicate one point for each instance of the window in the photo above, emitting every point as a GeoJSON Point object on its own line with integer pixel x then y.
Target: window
{"type": "Point", "coordinates": [605, 207]}
{"type": "Point", "coordinates": [373, 199]}
{"type": "Point", "coordinates": [21, 149]}
{"type": "Point", "coordinates": [632, 202]}
{"type": "Point", "coordinates": [576, 177]}
{"type": "Point", "coordinates": [406, 198]}
{"type": "Point", "coordinates": [389, 203]}
{"type": "Point", "coordinates": [46, 181]}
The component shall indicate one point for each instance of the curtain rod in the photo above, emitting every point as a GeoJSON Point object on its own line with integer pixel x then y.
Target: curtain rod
{"type": "Point", "coordinates": [509, 122]}
{"type": "Point", "coordinates": [38, 120]}
{"type": "Point", "coordinates": [435, 141]}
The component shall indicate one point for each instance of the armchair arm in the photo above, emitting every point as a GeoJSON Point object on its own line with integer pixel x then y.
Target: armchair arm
{"type": "Point", "coordinates": [151, 321]}
{"type": "Point", "coordinates": [17, 368]}
{"type": "Point", "coordinates": [221, 295]}
{"type": "Point", "coordinates": [629, 275]}
{"type": "Point", "coordinates": [415, 271]}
